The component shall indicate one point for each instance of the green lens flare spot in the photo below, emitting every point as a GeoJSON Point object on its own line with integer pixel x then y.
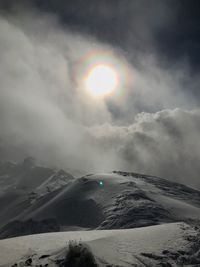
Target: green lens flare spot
{"type": "Point", "coordinates": [101, 183]}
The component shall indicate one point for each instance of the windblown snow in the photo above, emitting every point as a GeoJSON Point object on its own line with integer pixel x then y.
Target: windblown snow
{"type": "Point", "coordinates": [146, 246]}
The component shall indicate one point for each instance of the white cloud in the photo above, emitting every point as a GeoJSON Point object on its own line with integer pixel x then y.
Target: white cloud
{"type": "Point", "coordinates": [164, 144]}
{"type": "Point", "coordinates": [45, 115]}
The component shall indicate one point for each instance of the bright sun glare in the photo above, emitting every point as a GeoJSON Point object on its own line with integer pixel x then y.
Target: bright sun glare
{"type": "Point", "coordinates": [101, 80]}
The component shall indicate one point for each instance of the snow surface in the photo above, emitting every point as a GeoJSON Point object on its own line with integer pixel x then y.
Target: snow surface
{"type": "Point", "coordinates": [101, 201]}
{"type": "Point", "coordinates": [117, 247]}
{"type": "Point", "coordinates": [156, 221]}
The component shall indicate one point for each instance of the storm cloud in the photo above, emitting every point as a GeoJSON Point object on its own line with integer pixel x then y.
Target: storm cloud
{"type": "Point", "coordinates": [151, 127]}
{"type": "Point", "coordinates": [164, 143]}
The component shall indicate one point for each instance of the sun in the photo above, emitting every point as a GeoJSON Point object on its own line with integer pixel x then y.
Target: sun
{"type": "Point", "coordinates": [101, 80]}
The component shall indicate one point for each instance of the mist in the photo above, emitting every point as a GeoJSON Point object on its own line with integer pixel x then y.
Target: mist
{"type": "Point", "coordinates": [152, 126]}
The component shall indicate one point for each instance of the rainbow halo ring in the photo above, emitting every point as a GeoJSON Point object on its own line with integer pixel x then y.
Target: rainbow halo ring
{"type": "Point", "coordinates": [102, 74]}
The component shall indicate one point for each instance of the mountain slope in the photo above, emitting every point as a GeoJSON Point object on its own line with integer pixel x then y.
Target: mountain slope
{"type": "Point", "coordinates": [165, 217]}
{"type": "Point", "coordinates": [115, 201]}
{"type": "Point", "coordinates": [107, 201]}
{"type": "Point", "coordinates": [28, 176]}
{"type": "Point", "coordinates": [174, 244]}
{"type": "Point", "coordinates": [23, 184]}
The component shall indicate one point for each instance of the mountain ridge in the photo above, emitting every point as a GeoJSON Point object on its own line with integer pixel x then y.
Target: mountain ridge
{"type": "Point", "coordinates": [113, 200]}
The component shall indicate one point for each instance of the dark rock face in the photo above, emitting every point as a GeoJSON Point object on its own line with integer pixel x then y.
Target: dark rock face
{"type": "Point", "coordinates": [20, 228]}
{"type": "Point", "coordinates": [79, 255]}
{"type": "Point", "coordinates": [133, 208]}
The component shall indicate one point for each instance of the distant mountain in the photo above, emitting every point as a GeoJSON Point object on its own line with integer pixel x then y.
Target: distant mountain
{"type": "Point", "coordinates": [28, 176]}
{"type": "Point", "coordinates": [101, 201]}
{"type": "Point", "coordinates": [23, 184]}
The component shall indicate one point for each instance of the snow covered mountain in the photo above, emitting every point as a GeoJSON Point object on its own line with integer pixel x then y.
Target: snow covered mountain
{"type": "Point", "coordinates": [102, 201]}
{"type": "Point", "coordinates": [23, 184]}
{"type": "Point", "coordinates": [134, 219]}
{"type": "Point", "coordinates": [28, 176]}
{"type": "Point", "coordinates": [116, 200]}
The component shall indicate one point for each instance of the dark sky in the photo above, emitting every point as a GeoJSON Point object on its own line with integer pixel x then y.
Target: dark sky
{"type": "Point", "coordinates": [172, 25]}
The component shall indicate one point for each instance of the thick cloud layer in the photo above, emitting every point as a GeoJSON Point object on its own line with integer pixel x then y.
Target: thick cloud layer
{"type": "Point", "coordinates": [46, 114]}
{"type": "Point", "coordinates": [164, 143]}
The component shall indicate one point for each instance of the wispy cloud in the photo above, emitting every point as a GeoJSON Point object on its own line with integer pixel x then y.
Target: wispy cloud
{"type": "Point", "coordinates": [44, 114]}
